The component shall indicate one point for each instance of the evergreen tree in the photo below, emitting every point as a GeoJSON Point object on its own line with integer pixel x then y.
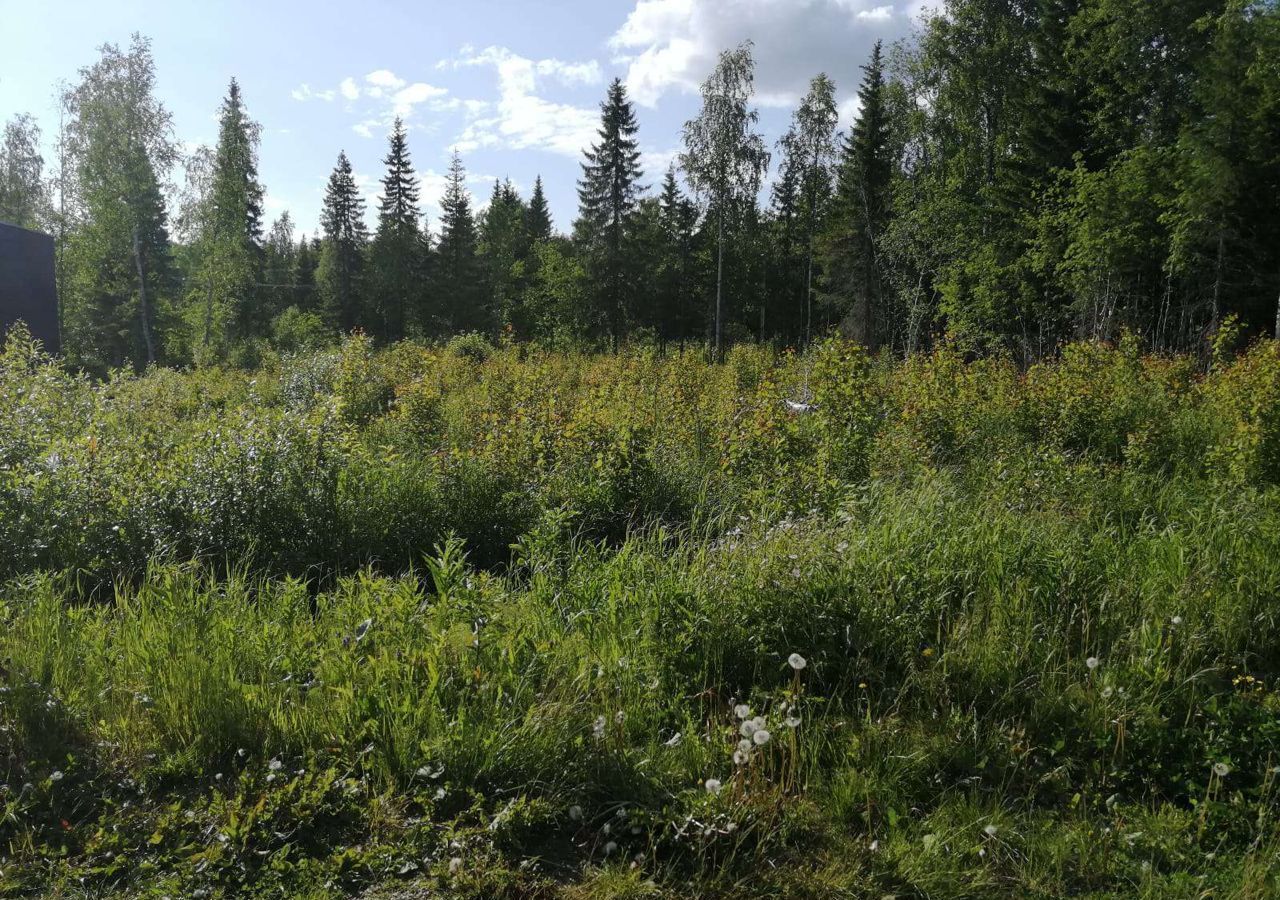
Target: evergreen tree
{"type": "Point", "coordinates": [396, 253]}
{"type": "Point", "coordinates": [537, 220]}
{"type": "Point", "coordinates": [458, 279]}
{"type": "Point", "coordinates": [304, 275]}
{"type": "Point", "coordinates": [676, 297]}
{"type": "Point", "coordinates": [341, 272]}
{"type": "Point", "coordinates": [233, 246]}
{"type": "Point", "coordinates": [724, 158]}
{"type": "Point", "coordinates": [502, 248]}
{"type": "Point", "coordinates": [607, 196]}
{"type": "Point", "coordinates": [861, 209]}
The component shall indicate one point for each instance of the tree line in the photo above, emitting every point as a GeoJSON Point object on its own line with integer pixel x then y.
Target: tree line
{"type": "Point", "coordinates": [1020, 173]}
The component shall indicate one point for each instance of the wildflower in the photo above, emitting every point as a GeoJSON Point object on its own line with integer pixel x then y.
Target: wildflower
{"type": "Point", "coordinates": [597, 727]}
{"type": "Point", "coordinates": [862, 685]}
{"type": "Point", "coordinates": [454, 865]}
{"type": "Point", "coordinates": [791, 721]}
{"type": "Point", "coordinates": [745, 745]}
{"type": "Point", "coordinates": [439, 793]}
{"type": "Point", "coordinates": [990, 830]}
{"type": "Point", "coordinates": [55, 776]}
{"type": "Point", "coordinates": [742, 711]}
{"type": "Point", "coordinates": [619, 717]}
{"type": "Point", "coordinates": [875, 845]}
{"type": "Point", "coordinates": [712, 785]}
{"type": "Point", "coordinates": [1176, 620]}
{"type": "Point", "coordinates": [741, 757]}
{"type": "Point", "coordinates": [796, 661]}
{"type": "Point", "coordinates": [761, 737]}
{"type": "Point", "coordinates": [610, 847]}
{"type": "Point", "coordinates": [748, 728]}
{"type": "Point", "coordinates": [1221, 769]}
{"type": "Point", "coordinates": [927, 653]}
{"type": "Point", "coordinates": [1092, 663]}
{"type": "Point", "coordinates": [1107, 692]}
{"type": "Point", "coordinates": [575, 812]}
{"type": "Point", "coordinates": [275, 765]}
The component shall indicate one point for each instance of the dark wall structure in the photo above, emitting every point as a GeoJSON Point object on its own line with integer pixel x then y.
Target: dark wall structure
{"type": "Point", "coordinates": [27, 289]}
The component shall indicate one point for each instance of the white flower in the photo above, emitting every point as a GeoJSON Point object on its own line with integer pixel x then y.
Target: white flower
{"type": "Point", "coordinates": [1092, 663]}
{"type": "Point", "coordinates": [56, 775]}
{"type": "Point", "coordinates": [1222, 770]}
{"type": "Point", "coordinates": [1176, 620]}
{"type": "Point", "coordinates": [575, 812]}
{"type": "Point", "coordinates": [991, 830]}
{"type": "Point", "coordinates": [275, 765]}
{"type": "Point", "coordinates": [610, 847]}
{"type": "Point", "coordinates": [797, 662]}
{"type": "Point", "coordinates": [761, 737]}
{"type": "Point", "coordinates": [742, 711]}
{"type": "Point", "coordinates": [712, 785]}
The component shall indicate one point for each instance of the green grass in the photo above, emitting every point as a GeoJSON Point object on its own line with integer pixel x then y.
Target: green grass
{"type": "Point", "coordinates": [442, 641]}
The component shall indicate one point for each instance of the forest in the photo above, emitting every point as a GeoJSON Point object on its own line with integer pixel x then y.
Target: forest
{"type": "Point", "coordinates": [915, 533]}
{"type": "Point", "coordinates": [1019, 175]}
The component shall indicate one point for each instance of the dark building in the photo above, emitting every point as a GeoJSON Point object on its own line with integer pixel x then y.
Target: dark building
{"type": "Point", "coordinates": [27, 289]}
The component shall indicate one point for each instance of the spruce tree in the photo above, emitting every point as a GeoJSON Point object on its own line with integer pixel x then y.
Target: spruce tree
{"type": "Point", "coordinates": [607, 195]}
{"type": "Point", "coordinates": [340, 276]}
{"type": "Point", "coordinates": [502, 248]}
{"type": "Point", "coordinates": [458, 280]}
{"type": "Point", "coordinates": [279, 266]}
{"type": "Point", "coordinates": [860, 210]}
{"type": "Point", "coordinates": [537, 220]}
{"type": "Point", "coordinates": [233, 248]}
{"type": "Point", "coordinates": [396, 253]}
{"type": "Point", "coordinates": [676, 282]}
{"type": "Point", "coordinates": [304, 274]}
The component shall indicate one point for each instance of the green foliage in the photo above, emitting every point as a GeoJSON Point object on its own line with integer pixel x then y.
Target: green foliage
{"type": "Point", "coordinates": [430, 618]}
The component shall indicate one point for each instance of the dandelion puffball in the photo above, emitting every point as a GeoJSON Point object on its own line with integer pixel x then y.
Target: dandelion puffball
{"type": "Point", "coordinates": [990, 830]}
{"type": "Point", "coordinates": [575, 812]}
{"type": "Point", "coordinates": [742, 711]}
{"type": "Point", "coordinates": [1092, 663]}
{"type": "Point", "coordinates": [610, 847]}
{"type": "Point", "coordinates": [745, 745]}
{"type": "Point", "coordinates": [454, 865]}
{"type": "Point", "coordinates": [1177, 620]}
{"type": "Point", "coordinates": [792, 721]}
{"type": "Point", "coordinates": [741, 757]}
{"type": "Point", "coordinates": [712, 785]}
{"type": "Point", "coordinates": [761, 737]}
{"type": "Point", "coordinates": [1222, 770]}
{"type": "Point", "coordinates": [748, 728]}
{"type": "Point", "coordinates": [796, 661]}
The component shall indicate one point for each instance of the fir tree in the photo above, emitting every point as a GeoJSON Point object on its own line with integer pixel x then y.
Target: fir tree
{"type": "Point", "coordinates": [861, 208]}
{"type": "Point", "coordinates": [234, 245]}
{"type": "Point", "coordinates": [396, 253]}
{"type": "Point", "coordinates": [502, 248]}
{"type": "Point", "coordinates": [458, 280]}
{"type": "Point", "coordinates": [607, 195]}
{"type": "Point", "coordinates": [537, 220]}
{"type": "Point", "coordinates": [340, 276]}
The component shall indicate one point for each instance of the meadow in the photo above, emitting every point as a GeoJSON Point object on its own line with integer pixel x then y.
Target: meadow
{"type": "Point", "coordinates": [473, 621]}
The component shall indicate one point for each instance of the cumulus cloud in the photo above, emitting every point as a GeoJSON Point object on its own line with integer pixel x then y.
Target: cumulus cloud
{"type": "Point", "coordinates": [349, 89]}
{"type": "Point", "coordinates": [303, 93]}
{"type": "Point", "coordinates": [522, 117]}
{"type": "Point", "coordinates": [672, 44]}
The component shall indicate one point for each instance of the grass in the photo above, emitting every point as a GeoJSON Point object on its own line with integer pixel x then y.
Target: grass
{"type": "Point", "coordinates": [418, 622]}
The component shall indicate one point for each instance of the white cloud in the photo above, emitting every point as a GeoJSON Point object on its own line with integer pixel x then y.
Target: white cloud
{"type": "Point", "coordinates": [523, 118]}
{"type": "Point", "coordinates": [406, 98]}
{"type": "Point", "coordinates": [672, 44]}
{"type": "Point", "coordinates": [349, 89]}
{"type": "Point", "coordinates": [878, 14]}
{"type": "Point", "coordinates": [385, 78]}
{"type": "Point", "coordinates": [303, 93]}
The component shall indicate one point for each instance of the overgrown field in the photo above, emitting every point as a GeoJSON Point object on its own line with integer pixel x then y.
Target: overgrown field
{"type": "Point", "coordinates": [476, 622]}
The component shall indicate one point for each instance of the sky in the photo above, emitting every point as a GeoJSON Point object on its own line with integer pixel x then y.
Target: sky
{"type": "Point", "coordinates": [514, 85]}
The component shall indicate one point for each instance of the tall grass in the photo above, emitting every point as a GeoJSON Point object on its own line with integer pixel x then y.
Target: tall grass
{"type": "Point", "coordinates": [492, 626]}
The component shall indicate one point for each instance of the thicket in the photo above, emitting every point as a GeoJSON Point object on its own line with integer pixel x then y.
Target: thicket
{"type": "Point", "coordinates": [493, 621]}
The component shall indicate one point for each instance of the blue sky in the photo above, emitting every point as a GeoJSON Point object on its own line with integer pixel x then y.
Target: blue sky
{"type": "Point", "coordinates": [516, 86]}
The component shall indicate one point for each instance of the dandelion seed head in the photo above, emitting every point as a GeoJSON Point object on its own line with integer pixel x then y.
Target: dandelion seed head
{"type": "Point", "coordinates": [742, 711]}
{"type": "Point", "coordinates": [575, 812]}
{"type": "Point", "coordinates": [748, 728]}
{"type": "Point", "coordinates": [56, 775]}
{"type": "Point", "coordinates": [1221, 769]}
{"type": "Point", "coordinates": [1176, 620]}
{"type": "Point", "coordinates": [712, 785]}
{"type": "Point", "coordinates": [991, 830]}
{"type": "Point", "coordinates": [610, 847]}
{"type": "Point", "coordinates": [455, 864]}
{"type": "Point", "coordinates": [792, 721]}
{"type": "Point", "coordinates": [761, 737]}
{"type": "Point", "coordinates": [741, 757]}
{"type": "Point", "coordinates": [796, 661]}
{"type": "Point", "coordinates": [1092, 663]}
